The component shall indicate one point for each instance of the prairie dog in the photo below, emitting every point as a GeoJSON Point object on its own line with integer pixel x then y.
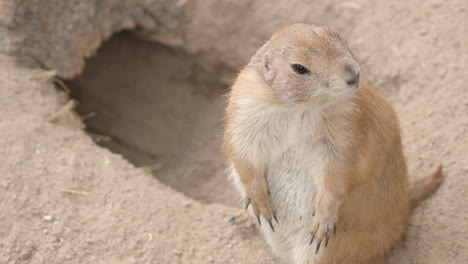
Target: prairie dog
{"type": "Point", "coordinates": [316, 154]}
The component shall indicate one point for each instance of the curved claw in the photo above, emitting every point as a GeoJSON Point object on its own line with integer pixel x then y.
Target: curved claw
{"type": "Point", "coordinates": [318, 246]}
{"type": "Point", "coordinates": [312, 239]}
{"type": "Point", "coordinates": [271, 225]}
{"type": "Point", "coordinates": [326, 240]}
{"type": "Point", "coordinates": [259, 221]}
{"type": "Point", "coordinates": [247, 203]}
{"type": "Point", "coordinates": [274, 216]}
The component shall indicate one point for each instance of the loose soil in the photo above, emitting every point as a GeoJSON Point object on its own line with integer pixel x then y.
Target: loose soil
{"type": "Point", "coordinates": [154, 188]}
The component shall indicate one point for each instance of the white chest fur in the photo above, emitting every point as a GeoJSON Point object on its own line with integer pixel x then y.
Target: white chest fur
{"type": "Point", "coordinates": [292, 143]}
{"type": "Point", "coordinates": [288, 144]}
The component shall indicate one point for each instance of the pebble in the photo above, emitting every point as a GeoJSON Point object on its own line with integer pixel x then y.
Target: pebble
{"type": "Point", "coordinates": [48, 218]}
{"type": "Point", "coordinates": [423, 31]}
{"type": "Point", "coordinates": [187, 204]}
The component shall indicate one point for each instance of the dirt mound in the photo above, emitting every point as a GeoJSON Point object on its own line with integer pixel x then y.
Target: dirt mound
{"type": "Point", "coordinates": [65, 199]}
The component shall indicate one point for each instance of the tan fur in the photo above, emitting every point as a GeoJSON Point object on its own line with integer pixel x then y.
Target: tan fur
{"type": "Point", "coordinates": [422, 188]}
{"type": "Point", "coordinates": [318, 153]}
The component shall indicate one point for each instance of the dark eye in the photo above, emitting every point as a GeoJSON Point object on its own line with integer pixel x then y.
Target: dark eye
{"type": "Point", "coordinates": [300, 69]}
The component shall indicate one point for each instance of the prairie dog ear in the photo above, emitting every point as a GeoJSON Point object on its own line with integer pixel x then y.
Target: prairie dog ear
{"type": "Point", "coordinates": [261, 61]}
{"type": "Point", "coordinates": [267, 68]}
{"type": "Point", "coordinates": [257, 58]}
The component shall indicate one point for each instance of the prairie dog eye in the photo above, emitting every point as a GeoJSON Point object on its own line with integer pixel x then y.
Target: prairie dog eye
{"type": "Point", "coordinates": [300, 69]}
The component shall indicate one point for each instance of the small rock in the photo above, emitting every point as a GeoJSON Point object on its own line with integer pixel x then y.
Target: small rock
{"type": "Point", "coordinates": [48, 218]}
{"type": "Point", "coordinates": [188, 204]}
{"type": "Point", "coordinates": [423, 31]}
{"type": "Point", "coordinates": [177, 253]}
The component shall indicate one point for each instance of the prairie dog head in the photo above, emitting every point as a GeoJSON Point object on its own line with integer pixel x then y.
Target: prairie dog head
{"type": "Point", "coordinates": [303, 63]}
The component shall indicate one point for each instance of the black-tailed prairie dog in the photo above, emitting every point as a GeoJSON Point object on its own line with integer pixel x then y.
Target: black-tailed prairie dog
{"type": "Point", "coordinates": [316, 154]}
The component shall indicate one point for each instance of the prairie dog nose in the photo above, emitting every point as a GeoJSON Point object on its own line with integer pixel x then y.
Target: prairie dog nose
{"type": "Point", "coordinates": [351, 72]}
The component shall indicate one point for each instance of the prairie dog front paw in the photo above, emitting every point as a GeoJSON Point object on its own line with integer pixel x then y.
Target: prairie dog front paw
{"type": "Point", "coordinates": [323, 226]}
{"type": "Point", "coordinates": [259, 198]}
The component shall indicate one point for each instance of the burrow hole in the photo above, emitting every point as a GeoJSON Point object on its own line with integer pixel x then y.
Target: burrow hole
{"type": "Point", "coordinates": [154, 106]}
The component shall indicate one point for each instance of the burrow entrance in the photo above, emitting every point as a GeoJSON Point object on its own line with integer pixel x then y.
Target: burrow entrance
{"type": "Point", "coordinates": [154, 105]}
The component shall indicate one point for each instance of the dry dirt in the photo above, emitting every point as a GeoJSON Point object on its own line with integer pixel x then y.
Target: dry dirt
{"type": "Point", "coordinates": [65, 199]}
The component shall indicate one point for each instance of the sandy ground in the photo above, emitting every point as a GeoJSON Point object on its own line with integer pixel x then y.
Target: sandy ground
{"type": "Point", "coordinates": [64, 199]}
